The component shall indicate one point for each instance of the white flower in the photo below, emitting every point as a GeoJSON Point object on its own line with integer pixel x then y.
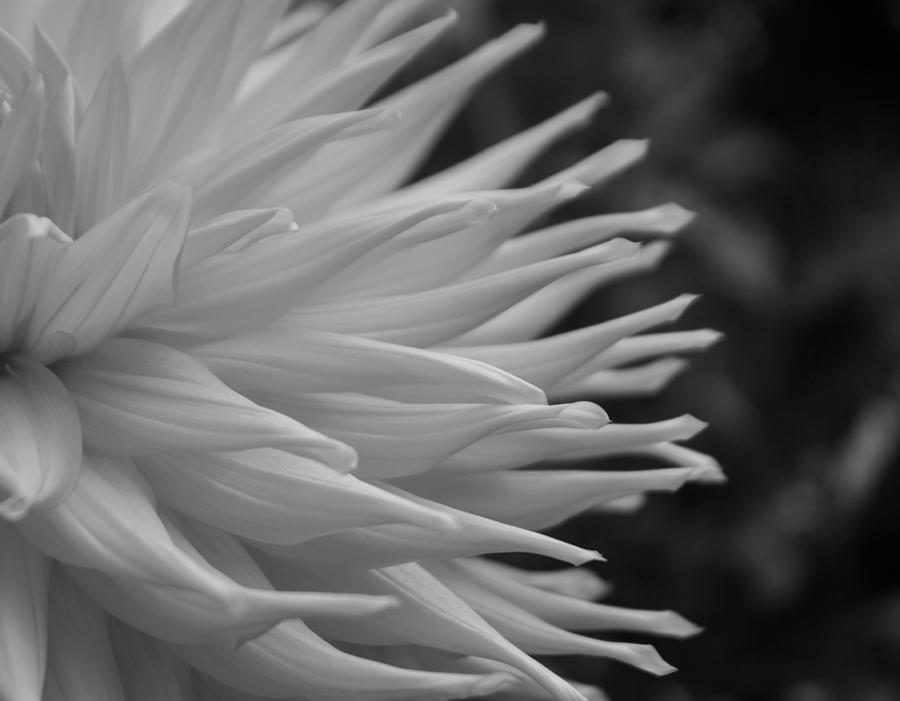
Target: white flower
{"type": "Point", "coordinates": [218, 298]}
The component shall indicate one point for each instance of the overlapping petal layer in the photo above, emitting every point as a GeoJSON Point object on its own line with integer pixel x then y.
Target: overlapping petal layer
{"type": "Point", "coordinates": [220, 293]}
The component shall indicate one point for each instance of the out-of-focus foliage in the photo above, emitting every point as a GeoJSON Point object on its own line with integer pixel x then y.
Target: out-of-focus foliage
{"type": "Point", "coordinates": [778, 121]}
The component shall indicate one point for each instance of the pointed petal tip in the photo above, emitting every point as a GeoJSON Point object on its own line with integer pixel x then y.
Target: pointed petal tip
{"type": "Point", "coordinates": [571, 189]}
{"type": "Point", "coordinates": [708, 474]}
{"type": "Point", "coordinates": [491, 684]}
{"type": "Point", "coordinates": [647, 658]}
{"type": "Point", "coordinates": [672, 217]}
{"type": "Point", "coordinates": [585, 414]}
{"type": "Point", "coordinates": [675, 625]}
{"type": "Point", "coordinates": [692, 425]}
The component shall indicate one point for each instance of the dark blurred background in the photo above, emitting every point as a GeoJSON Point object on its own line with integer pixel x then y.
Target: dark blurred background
{"type": "Point", "coordinates": [778, 121]}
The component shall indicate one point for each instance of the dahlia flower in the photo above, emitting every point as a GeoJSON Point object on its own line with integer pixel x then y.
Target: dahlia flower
{"type": "Point", "coordinates": [263, 402]}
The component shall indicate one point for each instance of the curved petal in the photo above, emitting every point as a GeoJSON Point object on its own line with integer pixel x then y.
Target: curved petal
{"type": "Point", "coordinates": [289, 359]}
{"type": "Point", "coordinates": [23, 617]}
{"type": "Point", "coordinates": [138, 398]}
{"type": "Point", "coordinates": [147, 669]}
{"type": "Point", "coordinates": [80, 662]}
{"type": "Point", "coordinates": [430, 615]}
{"type": "Point", "coordinates": [40, 439]}
{"type": "Point", "coordinates": [115, 271]}
{"type": "Point", "coordinates": [275, 497]}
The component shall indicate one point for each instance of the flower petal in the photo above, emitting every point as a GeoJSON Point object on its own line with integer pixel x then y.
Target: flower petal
{"type": "Point", "coordinates": [395, 439]}
{"type": "Point", "coordinates": [40, 439]}
{"type": "Point", "coordinates": [573, 613]}
{"type": "Point", "coordinates": [430, 615]}
{"type": "Point", "coordinates": [249, 607]}
{"type": "Point", "coordinates": [285, 359]}
{"type": "Point", "coordinates": [323, 48]}
{"type": "Point", "coordinates": [80, 662]}
{"type": "Point", "coordinates": [432, 316]}
{"type": "Point", "coordinates": [275, 497]}
{"type": "Point", "coordinates": [29, 247]}
{"type": "Point", "coordinates": [384, 546]}
{"type": "Point", "coordinates": [20, 138]}
{"type": "Point", "coordinates": [535, 636]}
{"type": "Point", "coordinates": [185, 73]}
{"type": "Point", "coordinates": [102, 149]}
{"type": "Point", "coordinates": [109, 522]}
{"type": "Point", "coordinates": [539, 499]}
{"type": "Point", "coordinates": [240, 290]}
{"type": "Point", "coordinates": [23, 617]}
{"type": "Point", "coordinates": [117, 270]}
{"type": "Point", "coordinates": [497, 165]}
{"type": "Point", "coordinates": [290, 661]}
{"type": "Point", "coordinates": [547, 360]}
{"type": "Point", "coordinates": [147, 670]}
{"type": "Point", "coordinates": [138, 398]}
{"type": "Point", "coordinates": [581, 233]}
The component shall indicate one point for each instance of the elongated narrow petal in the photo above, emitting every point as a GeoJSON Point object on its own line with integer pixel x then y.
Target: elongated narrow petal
{"type": "Point", "coordinates": [436, 315]}
{"type": "Point", "coordinates": [581, 233]}
{"type": "Point", "coordinates": [109, 522]}
{"type": "Point", "coordinates": [23, 617]}
{"type": "Point", "coordinates": [242, 226]}
{"type": "Point", "coordinates": [29, 247]}
{"type": "Point", "coordinates": [545, 307]}
{"type": "Point", "coordinates": [395, 439]}
{"type": "Point", "coordinates": [102, 149]}
{"type": "Point", "coordinates": [275, 497]}
{"type": "Point", "coordinates": [324, 48]}
{"type": "Point", "coordinates": [547, 360]}
{"type": "Point", "coordinates": [241, 290]}
{"type": "Point", "coordinates": [447, 259]}
{"type": "Point", "coordinates": [58, 156]}
{"type": "Point", "coordinates": [287, 359]}
{"type": "Point", "coordinates": [186, 72]}
{"type": "Point", "coordinates": [117, 270]}
{"type": "Point", "coordinates": [538, 637]}
{"type": "Point", "coordinates": [430, 615]}
{"type": "Point", "coordinates": [637, 348]}
{"type": "Point", "coordinates": [528, 447]}
{"type": "Point", "coordinates": [40, 439]}
{"type": "Point", "coordinates": [498, 165]}
{"type": "Point", "coordinates": [638, 381]}
{"type": "Point", "coordinates": [20, 135]}
{"type": "Point", "coordinates": [539, 499]}
{"type": "Point", "coordinates": [351, 83]}
{"type": "Point", "coordinates": [147, 669]}
{"type": "Point", "coordinates": [574, 582]}
{"type": "Point", "coordinates": [137, 398]}
{"type": "Point", "coordinates": [254, 171]}
{"type": "Point", "coordinates": [574, 613]}
{"type": "Point", "coordinates": [80, 662]}
{"type": "Point", "coordinates": [248, 607]}
{"type": "Point", "coordinates": [383, 546]}
{"type": "Point", "coordinates": [16, 68]}
{"type": "Point", "coordinates": [290, 661]}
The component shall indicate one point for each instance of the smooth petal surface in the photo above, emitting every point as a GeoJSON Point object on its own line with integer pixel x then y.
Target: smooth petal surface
{"type": "Point", "coordinates": [275, 497]}
{"type": "Point", "coordinates": [138, 398]}
{"type": "Point", "coordinates": [40, 439]}
{"type": "Point", "coordinates": [288, 359]}
{"type": "Point", "coordinates": [80, 662]}
{"type": "Point", "coordinates": [147, 669]}
{"type": "Point", "coordinates": [117, 270]}
{"type": "Point", "coordinates": [430, 615]}
{"type": "Point", "coordinates": [23, 617]}
{"type": "Point", "coordinates": [20, 135]}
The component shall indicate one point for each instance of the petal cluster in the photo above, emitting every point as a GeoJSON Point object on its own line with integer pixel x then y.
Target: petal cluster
{"type": "Point", "coordinates": [265, 404]}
